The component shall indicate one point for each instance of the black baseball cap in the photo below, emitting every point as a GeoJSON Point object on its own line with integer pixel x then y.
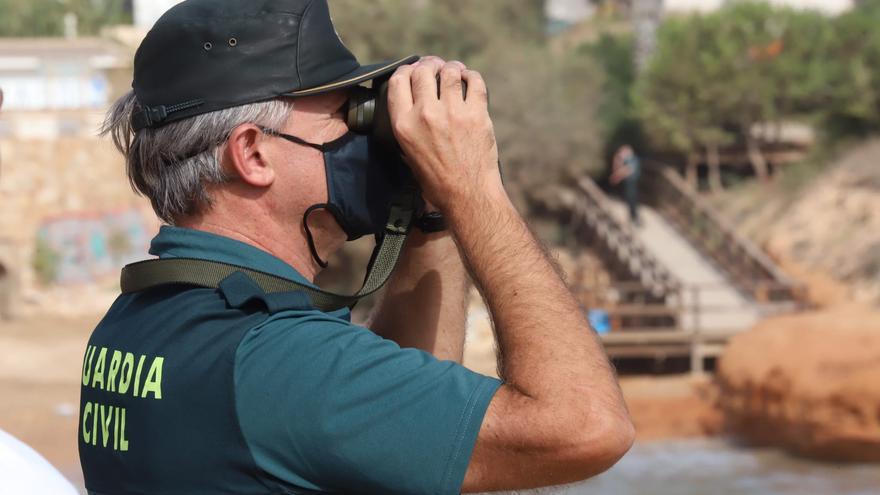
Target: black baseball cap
{"type": "Point", "coordinates": [208, 55]}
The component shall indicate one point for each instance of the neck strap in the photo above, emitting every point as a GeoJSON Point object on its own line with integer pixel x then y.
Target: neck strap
{"type": "Point", "coordinates": [204, 273]}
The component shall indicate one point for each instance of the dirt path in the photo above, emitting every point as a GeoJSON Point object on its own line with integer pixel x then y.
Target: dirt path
{"type": "Point", "coordinates": [40, 366]}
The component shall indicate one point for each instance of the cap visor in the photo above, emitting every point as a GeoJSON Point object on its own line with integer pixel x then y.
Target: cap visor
{"type": "Point", "coordinates": [359, 75]}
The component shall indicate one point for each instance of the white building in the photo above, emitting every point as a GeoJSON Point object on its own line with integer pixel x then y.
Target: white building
{"type": "Point", "coordinates": [573, 11]}
{"type": "Point", "coordinates": [147, 12]}
{"type": "Point", "coordinates": [51, 84]}
{"type": "Point", "coordinates": [56, 73]}
{"type": "Point", "coordinates": [827, 6]}
{"type": "Point", "coordinates": [568, 11]}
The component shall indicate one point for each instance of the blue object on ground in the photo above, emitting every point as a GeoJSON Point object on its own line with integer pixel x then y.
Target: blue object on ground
{"type": "Point", "coordinates": [599, 320]}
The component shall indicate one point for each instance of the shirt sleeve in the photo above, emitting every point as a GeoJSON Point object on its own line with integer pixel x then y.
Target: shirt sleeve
{"type": "Point", "coordinates": [329, 406]}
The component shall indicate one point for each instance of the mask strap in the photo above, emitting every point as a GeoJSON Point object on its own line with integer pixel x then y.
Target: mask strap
{"type": "Point", "coordinates": [292, 139]}
{"type": "Point", "coordinates": [309, 236]}
{"type": "Point", "coordinates": [203, 273]}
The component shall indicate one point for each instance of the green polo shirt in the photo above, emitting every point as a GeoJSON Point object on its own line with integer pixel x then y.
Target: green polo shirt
{"type": "Point", "coordinates": [327, 405]}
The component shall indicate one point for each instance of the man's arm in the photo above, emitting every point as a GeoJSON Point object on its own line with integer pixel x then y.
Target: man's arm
{"type": "Point", "coordinates": [560, 416]}
{"type": "Point", "coordinates": [425, 303]}
{"type": "Point", "coordinates": [620, 170]}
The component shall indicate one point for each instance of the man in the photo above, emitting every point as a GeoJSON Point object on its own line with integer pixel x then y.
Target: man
{"type": "Point", "coordinates": [192, 390]}
{"type": "Point", "coordinates": [627, 169]}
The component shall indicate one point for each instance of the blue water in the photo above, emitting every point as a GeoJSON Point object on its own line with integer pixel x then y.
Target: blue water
{"type": "Point", "coordinates": [716, 467]}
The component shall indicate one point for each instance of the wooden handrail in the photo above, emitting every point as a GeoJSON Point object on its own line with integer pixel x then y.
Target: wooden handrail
{"type": "Point", "coordinates": [646, 336]}
{"type": "Point", "coordinates": [750, 269]}
{"type": "Point", "coordinates": [596, 212]}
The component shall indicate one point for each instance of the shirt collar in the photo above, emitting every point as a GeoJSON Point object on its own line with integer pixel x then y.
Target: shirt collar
{"type": "Point", "coordinates": [178, 242]}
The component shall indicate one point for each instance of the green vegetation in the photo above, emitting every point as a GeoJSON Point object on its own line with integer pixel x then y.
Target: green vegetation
{"type": "Point", "coordinates": [118, 244]}
{"type": "Point", "coordinates": [26, 18]}
{"type": "Point", "coordinates": [45, 262]}
{"type": "Point", "coordinates": [616, 114]}
{"type": "Point", "coordinates": [718, 81]}
{"type": "Point", "coordinates": [855, 71]}
{"type": "Point", "coordinates": [543, 101]}
{"type": "Point", "coordinates": [718, 76]}
{"type": "Point", "coordinates": [731, 77]}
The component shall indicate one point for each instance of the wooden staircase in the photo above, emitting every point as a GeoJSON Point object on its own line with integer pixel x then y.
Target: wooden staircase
{"type": "Point", "coordinates": [644, 296]}
{"type": "Point", "coordinates": [747, 267]}
{"type": "Point", "coordinates": [657, 310]}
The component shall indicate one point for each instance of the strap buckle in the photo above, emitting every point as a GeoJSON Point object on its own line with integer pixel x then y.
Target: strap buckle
{"type": "Point", "coordinates": [148, 117]}
{"type": "Point", "coordinates": [403, 209]}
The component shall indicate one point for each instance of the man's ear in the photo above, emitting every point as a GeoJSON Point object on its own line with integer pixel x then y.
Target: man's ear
{"type": "Point", "coordinates": [245, 156]}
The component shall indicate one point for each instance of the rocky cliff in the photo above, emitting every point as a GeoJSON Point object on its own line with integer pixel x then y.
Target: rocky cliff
{"type": "Point", "coordinates": [809, 383]}
{"type": "Point", "coordinates": [826, 233]}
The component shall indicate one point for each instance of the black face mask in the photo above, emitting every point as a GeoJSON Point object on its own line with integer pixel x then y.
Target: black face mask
{"type": "Point", "coordinates": [362, 178]}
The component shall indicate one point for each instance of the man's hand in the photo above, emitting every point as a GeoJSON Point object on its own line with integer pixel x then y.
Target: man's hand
{"type": "Point", "coordinates": [449, 141]}
{"type": "Point", "coordinates": [619, 174]}
{"type": "Point", "coordinates": [425, 303]}
{"type": "Point", "coordinates": [559, 417]}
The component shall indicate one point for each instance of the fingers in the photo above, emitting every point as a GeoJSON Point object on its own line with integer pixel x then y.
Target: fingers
{"type": "Point", "coordinates": [424, 79]}
{"type": "Point", "coordinates": [400, 97]}
{"type": "Point", "coordinates": [476, 88]}
{"type": "Point", "coordinates": [432, 59]}
{"type": "Point", "coordinates": [438, 129]}
{"type": "Point", "coordinates": [450, 83]}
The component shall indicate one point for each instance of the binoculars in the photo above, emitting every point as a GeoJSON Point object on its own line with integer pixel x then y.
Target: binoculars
{"type": "Point", "coordinates": [367, 111]}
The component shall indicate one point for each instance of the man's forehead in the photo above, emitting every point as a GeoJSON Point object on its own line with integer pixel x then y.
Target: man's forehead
{"type": "Point", "coordinates": [323, 103]}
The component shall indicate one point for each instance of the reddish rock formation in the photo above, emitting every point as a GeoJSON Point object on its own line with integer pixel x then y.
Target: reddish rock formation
{"type": "Point", "coordinates": [809, 383]}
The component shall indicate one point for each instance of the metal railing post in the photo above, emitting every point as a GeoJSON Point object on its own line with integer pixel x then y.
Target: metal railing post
{"type": "Point", "coordinates": [696, 335]}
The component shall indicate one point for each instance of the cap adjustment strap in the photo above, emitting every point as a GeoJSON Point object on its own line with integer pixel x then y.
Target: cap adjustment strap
{"type": "Point", "coordinates": [149, 116]}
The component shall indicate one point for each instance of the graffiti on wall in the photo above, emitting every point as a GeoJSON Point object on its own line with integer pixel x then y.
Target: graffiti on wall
{"type": "Point", "coordinates": [85, 248]}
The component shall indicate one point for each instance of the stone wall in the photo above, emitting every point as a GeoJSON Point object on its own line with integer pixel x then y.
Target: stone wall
{"type": "Point", "coordinates": [68, 219]}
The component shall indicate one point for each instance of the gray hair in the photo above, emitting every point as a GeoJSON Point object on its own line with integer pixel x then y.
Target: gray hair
{"type": "Point", "coordinates": [173, 165]}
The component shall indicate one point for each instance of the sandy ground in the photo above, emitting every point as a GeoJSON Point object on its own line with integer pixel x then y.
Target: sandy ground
{"type": "Point", "coordinates": [665, 407]}
{"type": "Point", "coordinates": [40, 367]}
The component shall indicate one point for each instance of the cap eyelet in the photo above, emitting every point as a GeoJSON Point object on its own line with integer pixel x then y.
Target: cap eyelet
{"type": "Point", "coordinates": [233, 41]}
{"type": "Point", "coordinates": [208, 45]}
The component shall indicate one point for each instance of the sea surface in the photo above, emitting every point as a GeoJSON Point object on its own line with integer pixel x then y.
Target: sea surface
{"type": "Point", "coordinates": [718, 467]}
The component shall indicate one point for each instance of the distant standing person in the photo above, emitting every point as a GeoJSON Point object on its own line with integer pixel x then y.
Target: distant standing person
{"type": "Point", "coordinates": [627, 169]}
{"type": "Point", "coordinates": [1, 106]}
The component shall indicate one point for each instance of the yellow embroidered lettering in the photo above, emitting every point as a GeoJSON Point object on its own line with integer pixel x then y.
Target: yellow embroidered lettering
{"type": "Point", "coordinates": [99, 368]}
{"type": "Point", "coordinates": [154, 379]}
